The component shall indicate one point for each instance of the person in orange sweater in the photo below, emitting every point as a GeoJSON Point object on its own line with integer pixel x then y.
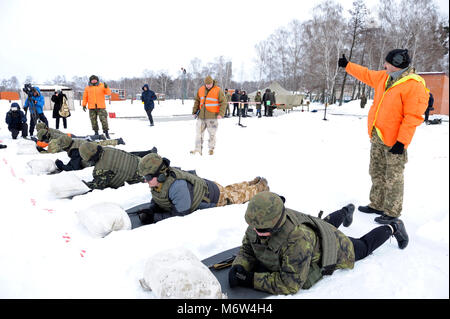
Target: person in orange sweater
{"type": "Point", "coordinates": [94, 98]}
{"type": "Point", "coordinates": [400, 100]}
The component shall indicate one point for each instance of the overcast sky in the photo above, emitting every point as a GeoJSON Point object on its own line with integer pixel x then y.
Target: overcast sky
{"type": "Point", "coordinates": [121, 38]}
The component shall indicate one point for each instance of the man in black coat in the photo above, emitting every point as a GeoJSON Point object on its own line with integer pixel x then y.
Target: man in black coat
{"type": "Point", "coordinates": [235, 97]}
{"type": "Point", "coordinates": [17, 121]}
{"type": "Point", "coordinates": [58, 98]}
{"type": "Point", "coordinates": [147, 97]}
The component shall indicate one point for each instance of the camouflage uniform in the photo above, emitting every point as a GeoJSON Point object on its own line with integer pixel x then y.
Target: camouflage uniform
{"type": "Point", "coordinates": [211, 125]}
{"type": "Point", "coordinates": [240, 193]}
{"type": "Point", "coordinates": [386, 170]}
{"type": "Point", "coordinates": [113, 167]}
{"type": "Point", "coordinates": [103, 116]}
{"type": "Point", "coordinates": [291, 258]}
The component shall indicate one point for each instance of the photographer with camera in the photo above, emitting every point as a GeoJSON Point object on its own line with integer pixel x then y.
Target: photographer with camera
{"type": "Point", "coordinates": [35, 102]}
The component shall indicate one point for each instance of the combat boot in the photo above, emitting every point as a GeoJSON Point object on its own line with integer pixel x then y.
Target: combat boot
{"type": "Point", "coordinates": [400, 233]}
{"type": "Point", "coordinates": [106, 134]}
{"type": "Point", "coordinates": [385, 219]}
{"type": "Point", "coordinates": [348, 219]}
{"type": "Point", "coordinates": [264, 185]}
{"type": "Point", "coordinates": [120, 141]}
{"type": "Point", "coordinates": [95, 132]}
{"type": "Point", "coordinates": [369, 210]}
{"type": "Point", "coordinates": [254, 181]}
{"type": "Point", "coordinates": [196, 151]}
{"type": "Point", "coordinates": [211, 152]}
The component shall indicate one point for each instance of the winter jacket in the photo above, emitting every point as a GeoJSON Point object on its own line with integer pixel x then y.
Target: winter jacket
{"type": "Point", "coordinates": [15, 119]}
{"type": "Point", "coordinates": [258, 99]}
{"type": "Point", "coordinates": [58, 100]}
{"type": "Point", "coordinates": [218, 97]}
{"type": "Point", "coordinates": [148, 97]}
{"type": "Point", "coordinates": [36, 103]}
{"type": "Point", "coordinates": [94, 96]}
{"type": "Point", "coordinates": [397, 106]}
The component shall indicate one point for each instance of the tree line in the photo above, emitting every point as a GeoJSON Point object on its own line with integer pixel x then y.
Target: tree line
{"type": "Point", "coordinates": [302, 56]}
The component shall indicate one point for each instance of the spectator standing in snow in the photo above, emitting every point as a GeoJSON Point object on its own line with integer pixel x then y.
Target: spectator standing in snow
{"type": "Point", "coordinates": [235, 98]}
{"type": "Point", "coordinates": [228, 96]}
{"type": "Point", "coordinates": [429, 108]}
{"type": "Point", "coordinates": [258, 103]}
{"type": "Point", "coordinates": [17, 121]}
{"type": "Point", "coordinates": [400, 100]}
{"type": "Point", "coordinates": [209, 107]}
{"type": "Point", "coordinates": [284, 251]}
{"type": "Point", "coordinates": [148, 97]}
{"type": "Point", "coordinates": [58, 98]}
{"type": "Point", "coordinates": [244, 98]}
{"type": "Point", "coordinates": [36, 105]}
{"type": "Point", "coordinates": [267, 101]}
{"type": "Point", "coordinates": [94, 98]}
{"type": "Point", "coordinates": [178, 193]}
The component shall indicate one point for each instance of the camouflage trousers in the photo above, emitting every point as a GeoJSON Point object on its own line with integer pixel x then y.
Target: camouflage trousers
{"type": "Point", "coordinates": [240, 193]}
{"type": "Point", "coordinates": [54, 147]}
{"type": "Point", "coordinates": [206, 124]}
{"type": "Point", "coordinates": [103, 116]}
{"type": "Point", "coordinates": [386, 170]}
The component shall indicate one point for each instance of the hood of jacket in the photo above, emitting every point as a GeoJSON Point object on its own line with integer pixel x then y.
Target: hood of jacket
{"type": "Point", "coordinates": [146, 86]}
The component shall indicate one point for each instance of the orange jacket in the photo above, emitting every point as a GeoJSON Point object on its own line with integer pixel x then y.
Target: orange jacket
{"type": "Point", "coordinates": [94, 96]}
{"type": "Point", "coordinates": [397, 111]}
{"type": "Point", "coordinates": [211, 101]}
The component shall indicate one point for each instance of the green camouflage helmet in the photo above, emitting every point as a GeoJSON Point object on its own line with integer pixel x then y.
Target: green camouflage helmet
{"type": "Point", "coordinates": [264, 211]}
{"type": "Point", "coordinates": [41, 126]}
{"type": "Point", "coordinates": [41, 133]}
{"type": "Point", "coordinates": [87, 150]}
{"type": "Point", "coordinates": [64, 141]}
{"type": "Point", "coordinates": [149, 164]}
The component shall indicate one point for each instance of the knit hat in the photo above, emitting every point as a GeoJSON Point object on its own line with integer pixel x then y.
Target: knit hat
{"type": "Point", "coordinates": [399, 58]}
{"type": "Point", "coordinates": [15, 106]}
{"type": "Point", "coordinates": [209, 80]}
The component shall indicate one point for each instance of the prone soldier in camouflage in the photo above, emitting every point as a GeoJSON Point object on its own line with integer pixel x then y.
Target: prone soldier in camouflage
{"type": "Point", "coordinates": [284, 251]}
{"type": "Point", "coordinates": [113, 167]}
{"type": "Point", "coordinates": [177, 193]}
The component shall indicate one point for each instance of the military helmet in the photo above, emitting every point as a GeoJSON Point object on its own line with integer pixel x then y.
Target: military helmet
{"type": "Point", "coordinates": [150, 164]}
{"type": "Point", "coordinates": [87, 150]}
{"type": "Point", "coordinates": [41, 134]}
{"type": "Point", "coordinates": [265, 211]}
{"type": "Point", "coordinates": [41, 126]}
{"type": "Point", "coordinates": [64, 141]}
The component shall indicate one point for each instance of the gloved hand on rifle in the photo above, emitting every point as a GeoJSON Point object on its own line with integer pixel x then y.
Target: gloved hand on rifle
{"type": "Point", "coordinates": [238, 276]}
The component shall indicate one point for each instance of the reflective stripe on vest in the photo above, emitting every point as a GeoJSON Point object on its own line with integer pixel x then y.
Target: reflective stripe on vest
{"type": "Point", "coordinates": [211, 100]}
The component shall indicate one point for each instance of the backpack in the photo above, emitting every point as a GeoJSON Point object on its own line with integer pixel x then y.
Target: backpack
{"type": "Point", "coordinates": [64, 111]}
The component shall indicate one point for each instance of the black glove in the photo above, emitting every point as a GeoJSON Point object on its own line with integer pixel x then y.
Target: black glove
{"type": "Point", "coordinates": [238, 276]}
{"type": "Point", "coordinates": [105, 85]}
{"type": "Point", "coordinates": [343, 61]}
{"type": "Point", "coordinates": [59, 164]}
{"type": "Point", "coordinates": [398, 148]}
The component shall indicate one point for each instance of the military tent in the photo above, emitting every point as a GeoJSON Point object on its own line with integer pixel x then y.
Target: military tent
{"type": "Point", "coordinates": [282, 96]}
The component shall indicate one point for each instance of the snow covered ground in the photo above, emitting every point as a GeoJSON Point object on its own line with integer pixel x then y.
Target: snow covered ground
{"type": "Point", "coordinates": [45, 252]}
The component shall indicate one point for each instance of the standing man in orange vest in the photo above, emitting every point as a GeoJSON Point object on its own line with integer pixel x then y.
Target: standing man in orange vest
{"type": "Point", "coordinates": [400, 99]}
{"type": "Point", "coordinates": [210, 105]}
{"type": "Point", "coordinates": [94, 97]}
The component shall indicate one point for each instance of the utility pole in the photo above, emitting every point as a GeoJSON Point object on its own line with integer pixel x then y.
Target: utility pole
{"type": "Point", "coordinates": [183, 85]}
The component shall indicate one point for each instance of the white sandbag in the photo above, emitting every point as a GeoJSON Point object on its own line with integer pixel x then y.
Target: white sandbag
{"type": "Point", "coordinates": [67, 185]}
{"type": "Point", "coordinates": [103, 218]}
{"type": "Point", "coordinates": [42, 166]}
{"type": "Point", "coordinates": [25, 147]}
{"type": "Point", "coordinates": [179, 274]}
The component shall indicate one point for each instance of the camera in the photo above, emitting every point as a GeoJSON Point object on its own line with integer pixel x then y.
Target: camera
{"type": "Point", "coordinates": [28, 89]}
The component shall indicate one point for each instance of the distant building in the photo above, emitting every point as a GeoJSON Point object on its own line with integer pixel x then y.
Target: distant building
{"type": "Point", "coordinates": [437, 82]}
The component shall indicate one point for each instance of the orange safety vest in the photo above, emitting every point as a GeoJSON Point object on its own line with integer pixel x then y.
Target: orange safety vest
{"type": "Point", "coordinates": [209, 100]}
